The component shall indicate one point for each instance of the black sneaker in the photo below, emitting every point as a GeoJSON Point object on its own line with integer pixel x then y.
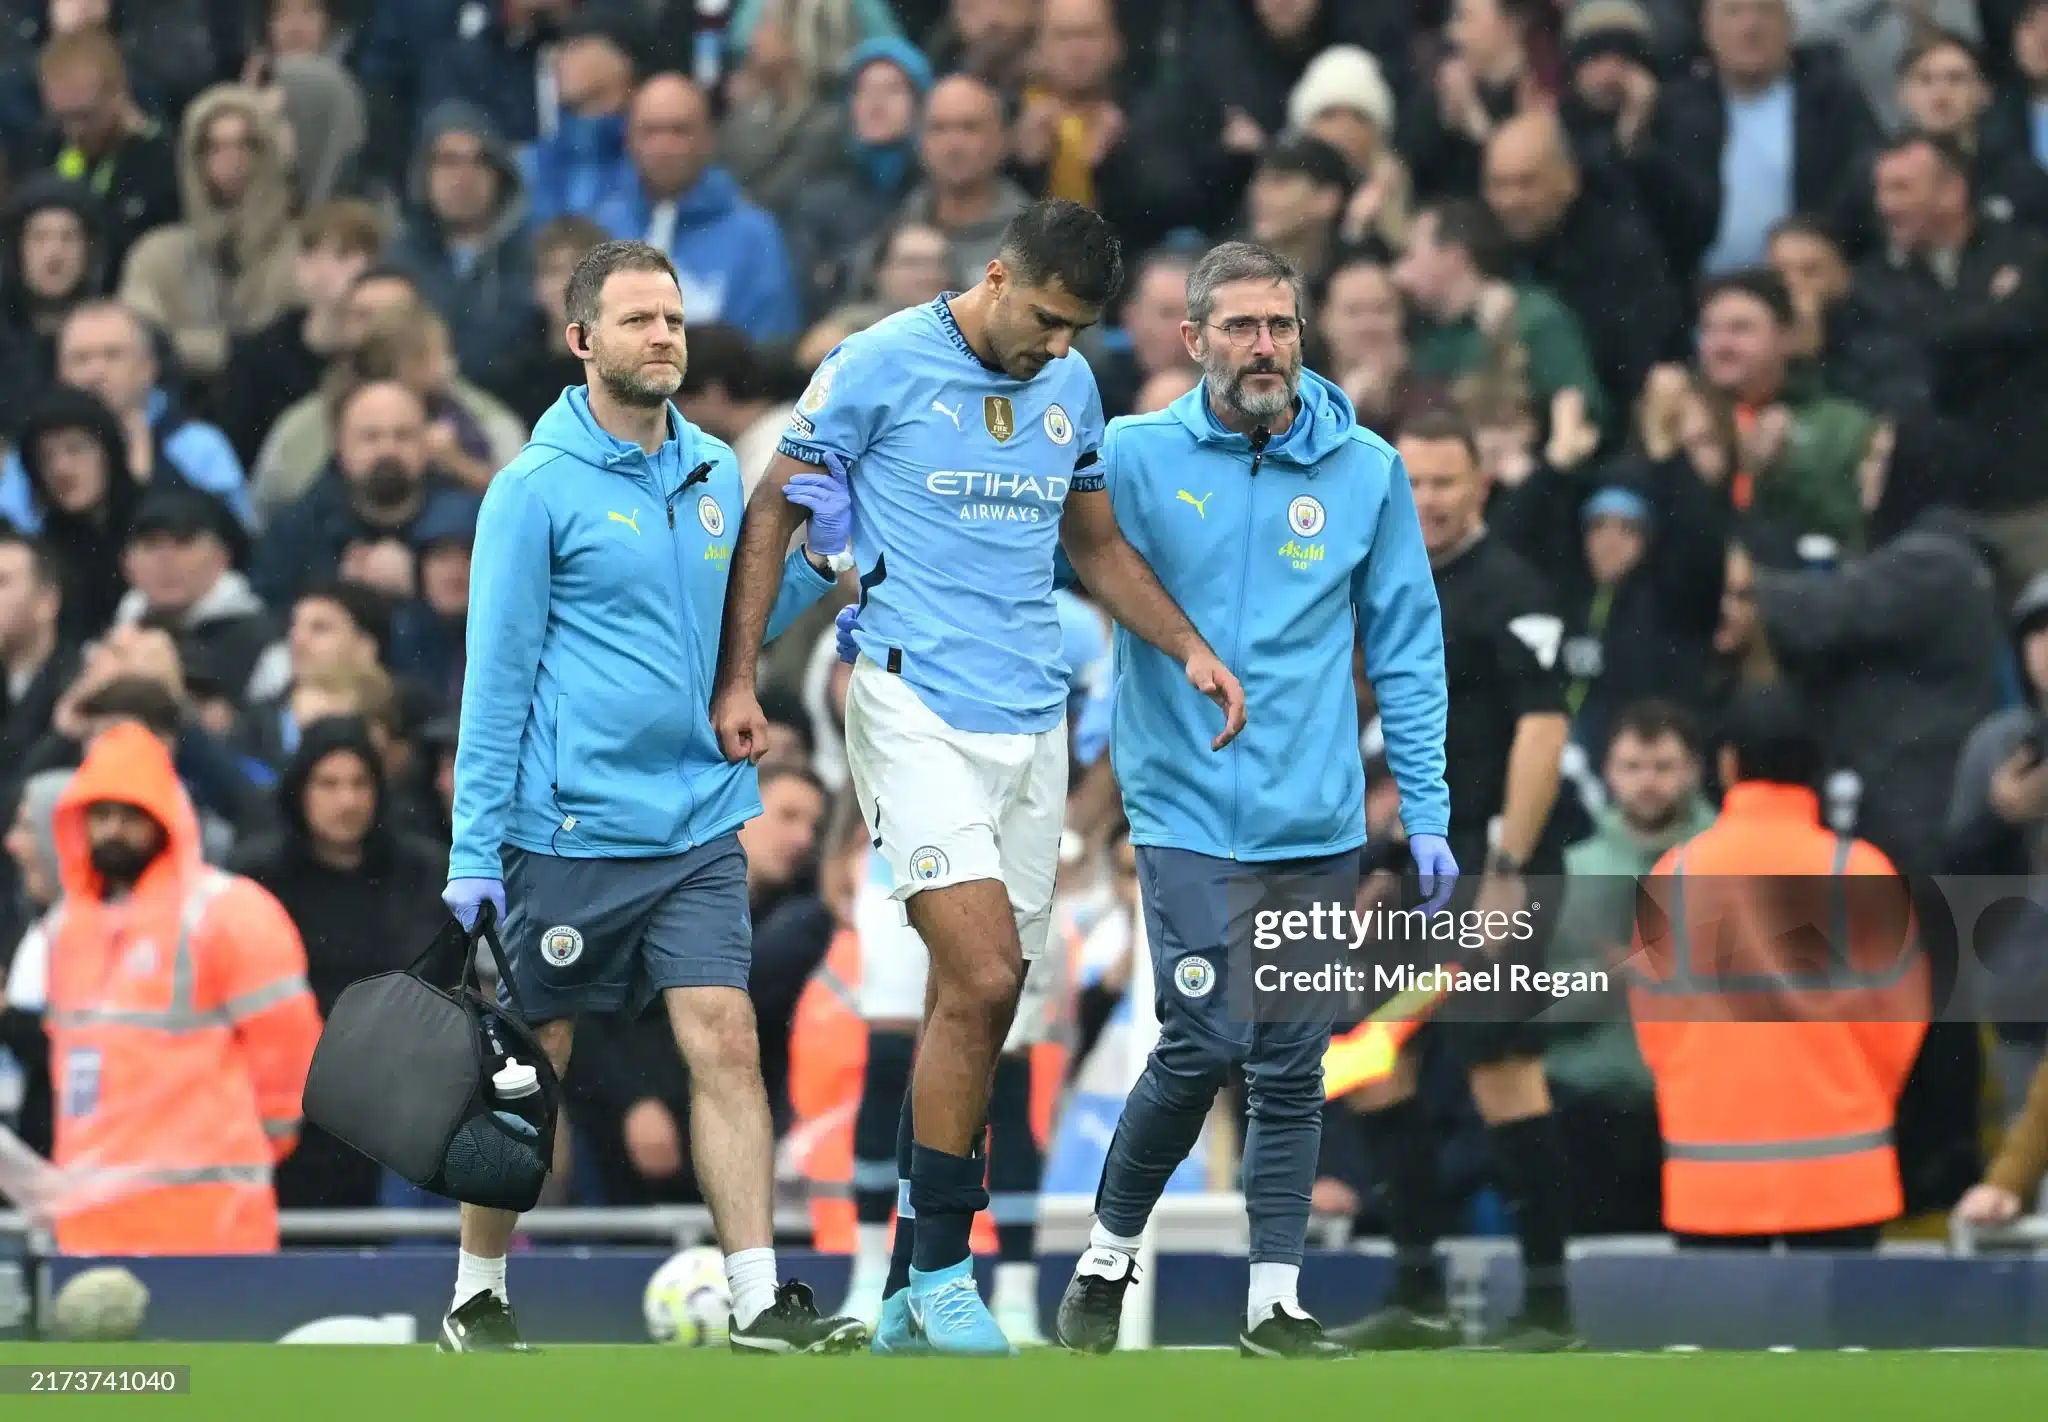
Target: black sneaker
{"type": "Point", "coordinates": [1289, 1335]}
{"type": "Point", "coordinates": [1092, 1308]}
{"type": "Point", "coordinates": [1398, 1328]}
{"type": "Point", "coordinates": [792, 1325]}
{"type": "Point", "coordinates": [1522, 1334]}
{"type": "Point", "coordinates": [482, 1325]}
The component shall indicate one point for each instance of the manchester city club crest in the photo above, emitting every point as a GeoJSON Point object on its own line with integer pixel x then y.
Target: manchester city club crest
{"type": "Point", "coordinates": [999, 417]}
{"type": "Point", "coordinates": [561, 945]}
{"type": "Point", "coordinates": [1058, 428]}
{"type": "Point", "coordinates": [1194, 977]}
{"type": "Point", "coordinates": [1305, 516]}
{"type": "Point", "coordinates": [711, 516]}
{"type": "Point", "coordinates": [928, 863]}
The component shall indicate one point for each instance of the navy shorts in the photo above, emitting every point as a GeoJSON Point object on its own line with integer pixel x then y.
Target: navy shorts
{"type": "Point", "coordinates": [610, 935]}
{"type": "Point", "coordinates": [1200, 913]}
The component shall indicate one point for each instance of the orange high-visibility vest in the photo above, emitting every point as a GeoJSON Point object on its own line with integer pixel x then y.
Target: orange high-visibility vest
{"type": "Point", "coordinates": [1779, 999]}
{"type": "Point", "coordinates": [181, 1028]}
{"type": "Point", "coordinates": [828, 1052]}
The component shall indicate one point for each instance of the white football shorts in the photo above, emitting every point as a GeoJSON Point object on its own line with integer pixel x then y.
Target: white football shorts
{"type": "Point", "coordinates": [949, 807]}
{"type": "Point", "coordinates": [893, 964]}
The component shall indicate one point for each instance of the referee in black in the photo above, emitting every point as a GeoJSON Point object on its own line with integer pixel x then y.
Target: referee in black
{"type": "Point", "coordinates": [1507, 729]}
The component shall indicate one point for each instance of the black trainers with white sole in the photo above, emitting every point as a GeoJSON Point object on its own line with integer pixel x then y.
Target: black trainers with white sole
{"type": "Point", "coordinates": [1289, 1335]}
{"type": "Point", "coordinates": [1092, 1308]}
{"type": "Point", "coordinates": [482, 1324]}
{"type": "Point", "coordinates": [792, 1324]}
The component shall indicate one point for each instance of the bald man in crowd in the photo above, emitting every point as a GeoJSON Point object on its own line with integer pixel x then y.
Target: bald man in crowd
{"type": "Point", "coordinates": [729, 254]}
{"type": "Point", "coordinates": [964, 193]}
{"type": "Point", "coordinates": [1594, 254]}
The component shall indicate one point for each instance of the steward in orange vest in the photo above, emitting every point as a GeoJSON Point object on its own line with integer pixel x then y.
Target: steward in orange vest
{"type": "Point", "coordinates": [180, 1023]}
{"type": "Point", "coordinates": [1779, 1000]}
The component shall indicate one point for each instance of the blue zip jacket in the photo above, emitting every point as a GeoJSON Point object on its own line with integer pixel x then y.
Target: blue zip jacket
{"type": "Point", "coordinates": [1278, 561]}
{"type": "Point", "coordinates": [729, 254]}
{"type": "Point", "coordinates": [597, 588]}
{"type": "Point", "coordinates": [581, 165]}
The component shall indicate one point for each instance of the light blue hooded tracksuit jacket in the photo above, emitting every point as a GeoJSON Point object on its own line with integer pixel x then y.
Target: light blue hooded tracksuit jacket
{"type": "Point", "coordinates": [597, 592]}
{"type": "Point", "coordinates": [1280, 570]}
{"type": "Point", "coordinates": [1281, 557]}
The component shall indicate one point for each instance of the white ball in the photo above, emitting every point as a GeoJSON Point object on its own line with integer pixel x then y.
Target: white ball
{"type": "Point", "coordinates": [688, 1302]}
{"type": "Point", "coordinates": [106, 1304]}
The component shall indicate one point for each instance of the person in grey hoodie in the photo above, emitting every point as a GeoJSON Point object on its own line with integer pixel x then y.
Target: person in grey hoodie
{"type": "Point", "coordinates": [465, 244]}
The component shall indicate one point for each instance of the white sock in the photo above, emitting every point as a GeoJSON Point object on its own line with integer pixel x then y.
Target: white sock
{"type": "Point", "coordinates": [1272, 1284]}
{"type": "Point", "coordinates": [474, 1274]}
{"type": "Point", "coordinates": [1100, 1238]}
{"type": "Point", "coordinates": [751, 1274]}
{"type": "Point", "coordinates": [1017, 1285]}
{"type": "Point", "coordinates": [870, 1253]}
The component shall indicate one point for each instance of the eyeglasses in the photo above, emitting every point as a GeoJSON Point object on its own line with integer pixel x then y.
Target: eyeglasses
{"type": "Point", "coordinates": [1244, 330]}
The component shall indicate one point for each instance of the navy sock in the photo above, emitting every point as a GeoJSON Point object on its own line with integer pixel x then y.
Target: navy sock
{"type": "Point", "coordinates": [1015, 1162]}
{"type": "Point", "coordinates": [947, 1192]}
{"type": "Point", "coordinates": [884, 1085]}
{"type": "Point", "coordinates": [906, 1220]}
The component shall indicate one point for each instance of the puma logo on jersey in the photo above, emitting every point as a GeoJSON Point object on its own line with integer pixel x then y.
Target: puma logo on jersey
{"type": "Point", "coordinates": [952, 414]}
{"type": "Point", "coordinates": [632, 523]}
{"type": "Point", "coordinates": [1201, 504]}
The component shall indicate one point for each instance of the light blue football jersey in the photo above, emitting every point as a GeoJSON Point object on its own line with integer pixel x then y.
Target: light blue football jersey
{"type": "Point", "coordinates": [959, 476]}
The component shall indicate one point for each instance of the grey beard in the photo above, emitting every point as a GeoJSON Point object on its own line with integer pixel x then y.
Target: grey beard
{"type": "Point", "coordinates": [1260, 407]}
{"type": "Point", "coordinates": [629, 389]}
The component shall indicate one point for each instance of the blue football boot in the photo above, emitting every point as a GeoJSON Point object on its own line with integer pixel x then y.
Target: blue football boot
{"type": "Point", "coordinates": [946, 1305]}
{"type": "Point", "coordinates": [898, 1334]}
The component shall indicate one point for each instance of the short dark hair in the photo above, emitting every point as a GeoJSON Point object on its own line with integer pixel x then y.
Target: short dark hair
{"type": "Point", "coordinates": [786, 708]}
{"type": "Point", "coordinates": [1470, 226]}
{"type": "Point", "coordinates": [784, 770]}
{"type": "Point", "coordinates": [1442, 424]}
{"type": "Point", "coordinates": [571, 232]}
{"type": "Point", "coordinates": [1167, 256]}
{"type": "Point", "coordinates": [1654, 718]}
{"type": "Point", "coordinates": [349, 224]}
{"type": "Point", "coordinates": [1803, 224]}
{"type": "Point", "coordinates": [1770, 731]}
{"type": "Point", "coordinates": [586, 283]}
{"type": "Point", "coordinates": [137, 698]}
{"type": "Point", "coordinates": [1057, 240]}
{"type": "Point", "coordinates": [1933, 42]}
{"type": "Point", "coordinates": [1759, 284]}
{"type": "Point", "coordinates": [722, 355]}
{"type": "Point", "coordinates": [1305, 155]}
{"type": "Point", "coordinates": [42, 563]}
{"type": "Point", "coordinates": [1947, 152]}
{"type": "Point", "coordinates": [369, 609]}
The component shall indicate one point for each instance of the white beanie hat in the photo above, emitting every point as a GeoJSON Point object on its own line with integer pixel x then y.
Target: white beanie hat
{"type": "Point", "coordinates": [1341, 77]}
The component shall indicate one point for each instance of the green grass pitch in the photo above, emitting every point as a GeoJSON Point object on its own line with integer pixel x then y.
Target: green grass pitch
{"type": "Point", "coordinates": [609, 1384]}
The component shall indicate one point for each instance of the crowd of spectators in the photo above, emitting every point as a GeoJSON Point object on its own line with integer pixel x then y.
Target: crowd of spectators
{"type": "Point", "coordinates": [1746, 299]}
